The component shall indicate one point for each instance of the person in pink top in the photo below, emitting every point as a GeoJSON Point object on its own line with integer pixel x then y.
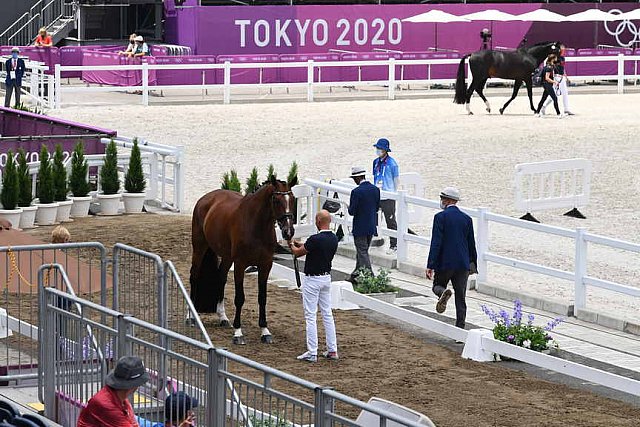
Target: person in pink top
{"type": "Point", "coordinates": [43, 39]}
{"type": "Point", "coordinates": [110, 407]}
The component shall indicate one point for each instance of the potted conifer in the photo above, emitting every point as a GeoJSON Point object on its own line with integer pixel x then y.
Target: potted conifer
{"type": "Point", "coordinates": [25, 197]}
{"type": "Point", "coordinates": [134, 182]}
{"type": "Point", "coordinates": [47, 207]}
{"type": "Point", "coordinates": [109, 181]}
{"type": "Point", "coordinates": [10, 193]}
{"type": "Point", "coordinates": [60, 186]}
{"type": "Point", "coordinates": [78, 183]}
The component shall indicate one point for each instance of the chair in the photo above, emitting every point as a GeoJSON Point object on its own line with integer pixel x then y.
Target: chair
{"type": "Point", "coordinates": [368, 419]}
{"type": "Point", "coordinates": [35, 419]}
{"type": "Point", "coordinates": [9, 408]}
{"type": "Point", "coordinates": [23, 422]}
{"type": "Point", "coordinates": [5, 415]}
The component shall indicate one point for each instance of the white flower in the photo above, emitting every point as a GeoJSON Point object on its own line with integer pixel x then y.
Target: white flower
{"type": "Point", "coordinates": [526, 343]}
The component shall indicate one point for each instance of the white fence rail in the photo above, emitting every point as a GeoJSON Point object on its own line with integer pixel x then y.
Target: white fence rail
{"type": "Point", "coordinates": [579, 275]}
{"type": "Point", "coordinates": [393, 78]}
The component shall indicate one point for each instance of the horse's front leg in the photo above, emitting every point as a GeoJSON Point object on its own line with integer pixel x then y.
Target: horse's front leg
{"type": "Point", "coordinates": [263, 276]}
{"type": "Point", "coordinates": [516, 88]}
{"type": "Point", "coordinates": [223, 271]}
{"type": "Point", "coordinates": [238, 275]}
{"type": "Point", "coordinates": [529, 85]}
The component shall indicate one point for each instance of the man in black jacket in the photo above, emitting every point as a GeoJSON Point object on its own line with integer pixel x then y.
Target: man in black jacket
{"type": "Point", "coordinates": [15, 69]}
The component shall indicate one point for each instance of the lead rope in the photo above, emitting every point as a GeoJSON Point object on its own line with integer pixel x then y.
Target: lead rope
{"type": "Point", "coordinates": [16, 269]}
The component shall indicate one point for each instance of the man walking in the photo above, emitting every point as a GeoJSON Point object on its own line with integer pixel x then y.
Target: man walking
{"type": "Point", "coordinates": [363, 207]}
{"type": "Point", "coordinates": [452, 255]}
{"type": "Point", "coordinates": [385, 177]}
{"type": "Point", "coordinates": [316, 291]}
{"type": "Point", "coordinates": [15, 68]}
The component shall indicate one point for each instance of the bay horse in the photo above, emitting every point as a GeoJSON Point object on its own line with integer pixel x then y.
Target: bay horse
{"type": "Point", "coordinates": [517, 65]}
{"type": "Point", "coordinates": [228, 228]}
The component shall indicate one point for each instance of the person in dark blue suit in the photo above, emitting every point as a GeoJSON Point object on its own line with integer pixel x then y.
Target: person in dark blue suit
{"type": "Point", "coordinates": [363, 207]}
{"type": "Point", "coordinates": [15, 69]}
{"type": "Point", "coordinates": [452, 255]}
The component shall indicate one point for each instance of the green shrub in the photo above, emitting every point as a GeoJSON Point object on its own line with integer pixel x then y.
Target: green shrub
{"type": "Point", "coordinates": [78, 182]}
{"type": "Point", "coordinates": [25, 196]}
{"type": "Point", "coordinates": [280, 421]}
{"type": "Point", "coordinates": [134, 181]}
{"type": "Point", "coordinates": [234, 181]}
{"type": "Point", "coordinates": [293, 173]}
{"type": "Point", "coordinates": [271, 172]}
{"type": "Point", "coordinates": [10, 186]}
{"type": "Point", "coordinates": [59, 176]}
{"type": "Point", "coordinates": [46, 190]}
{"type": "Point", "coordinates": [225, 181]}
{"type": "Point", "coordinates": [252, 182]}
{"type": "Point", "coordinates": [367, 283]}
{"type": "Point", "coordinates": [109, 172]}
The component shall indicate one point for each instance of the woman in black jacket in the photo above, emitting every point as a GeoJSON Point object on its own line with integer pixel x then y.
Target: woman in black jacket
{"type": "Point", "coordinates": [549, 85]}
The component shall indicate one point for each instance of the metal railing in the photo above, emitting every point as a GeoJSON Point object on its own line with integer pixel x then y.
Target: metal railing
{"type": "Point", "coordinates": [24, 30]}
{"type": "Point", "coordinates": [268, 395]}
{"type": "Point", "coordinates": [579, 276]}
{"type": "Point", "coordinates": [395, 75]}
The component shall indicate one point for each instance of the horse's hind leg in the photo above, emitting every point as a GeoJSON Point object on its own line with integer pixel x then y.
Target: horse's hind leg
{"type": "Point", "coordinates": [263, 276]}
{"type": "Point", "coordinates": [479, 89]}
{"type": "Point", "coordinates": [223, 271]}
{"type": "Point", "coordinates": [238, 275]}
{"type": "Point", "coordinates": [470, 90]}
{"type": "Point", "coordinates": [516, 88]}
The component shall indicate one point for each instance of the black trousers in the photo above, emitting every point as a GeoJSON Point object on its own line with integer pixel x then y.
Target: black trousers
{"type": "Point", "coordinates": [458, 279]}
{"type": "Point", "coordinates": [388, 208]}
{"type": "Point", "coordinates": [548, 91]}
{"type": "Point", "coordinates": [10, 89]}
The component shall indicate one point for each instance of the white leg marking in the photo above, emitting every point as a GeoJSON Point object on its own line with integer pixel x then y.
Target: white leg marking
{"type": "Point", "coordinates": [221, 312]}
{"type": "Point", "coordinates": [468, 107]}
{"type": "Point", "coordinates": [265, 331]}
{"type": "Point", "coordinates": [488, 106]}
{"type": "Point", "coordinates": [237, 332]}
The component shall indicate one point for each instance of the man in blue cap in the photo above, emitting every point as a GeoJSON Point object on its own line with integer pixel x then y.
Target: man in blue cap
{"type": "Point", "coordinates": [385, 177]}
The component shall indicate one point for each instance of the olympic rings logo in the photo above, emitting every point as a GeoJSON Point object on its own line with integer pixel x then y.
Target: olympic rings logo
{"type": "Point", "coordinates": [622, 28]}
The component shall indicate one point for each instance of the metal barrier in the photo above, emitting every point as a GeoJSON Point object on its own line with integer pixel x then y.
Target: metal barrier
{"type": "Point", "coordinates": [86, 264]}
{"type": "Point", "coordinates": [390, 83]}
{"type": "Point", "coordinates": [269, 396]}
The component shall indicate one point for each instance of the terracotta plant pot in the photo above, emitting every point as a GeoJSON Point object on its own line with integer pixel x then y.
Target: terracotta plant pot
{"type": "Point", "coordinates": [133, 202]}
{"type": "Point", "coordinates": [13, 216]}
{"type": "Point", "coordinates": [64, 210]}
{"type": "Point", "coordinates": [109, 204]}
{"type": "Point", "coordinates": [80, 207]}
{"type": "Point", "coordinates": [46, 214]}
{"type": "Point", "coordinates": [28, 217]}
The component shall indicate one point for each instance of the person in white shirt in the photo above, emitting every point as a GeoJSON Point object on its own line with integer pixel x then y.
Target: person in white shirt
{"type": "Point", "coordinates": [140, 48]}
{"type": "Point", "coordinates": [130, 46]}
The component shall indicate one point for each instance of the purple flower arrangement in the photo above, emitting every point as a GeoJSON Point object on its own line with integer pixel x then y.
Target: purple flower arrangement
{"type": "Point", "coordinates": [511, 329]}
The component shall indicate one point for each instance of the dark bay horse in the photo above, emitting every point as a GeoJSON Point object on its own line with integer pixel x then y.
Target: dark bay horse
{"type": "Point", "coordinates": [228, 228]}
{"type": "Point", "coordinates": [516, 65]}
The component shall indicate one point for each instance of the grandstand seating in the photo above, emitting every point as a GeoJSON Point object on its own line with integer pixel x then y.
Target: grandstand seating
{"type": "Point", "coordinates": [10, 416]}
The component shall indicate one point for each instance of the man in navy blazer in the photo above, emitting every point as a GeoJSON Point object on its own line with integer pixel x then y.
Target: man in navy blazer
{"type": "Point", "coordinates": [15, 69]}
{"type": "Point", "coordinates": [363, 207]}
{"type": "Point", "coordinates": [452, 255]}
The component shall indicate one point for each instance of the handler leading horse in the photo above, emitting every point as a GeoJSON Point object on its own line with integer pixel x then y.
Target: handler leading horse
{"type": "Point", "coordinates": [228, 228]}
{"type": "Point", "coordinates": [515, 65]}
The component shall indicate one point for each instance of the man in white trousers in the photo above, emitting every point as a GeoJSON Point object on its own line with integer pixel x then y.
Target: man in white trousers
{"type": "Point", "coordinates": [316, 290]}
{"type": "Point", "coordinates": [561, 77]}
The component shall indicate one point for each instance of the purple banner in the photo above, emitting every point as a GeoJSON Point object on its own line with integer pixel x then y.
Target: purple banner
{"type": "Point", "coordinates": [115, 77]}
{"type": "Point", "coordinates": [233, 30]}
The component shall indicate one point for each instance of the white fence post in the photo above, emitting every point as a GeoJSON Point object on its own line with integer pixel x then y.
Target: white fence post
{"type": "Point", "coordinates": [482, 245]}
{"type": "Point", "coordinates": [52, 90]}
{"type": "Point", "coordinates": [392, 78]}
{"type": "Point", "coordinates": [152, 192]}
{"type": "Point", "coordinates": [310, 78]}
{"type": "Point", "coordinates": [178, 185]}
{"type": "Point", "coordinates": [620, 73]}
{"type": "Point", "coordinates": [145, 84]}
{"type": "Point", "coordinates": [226, 91]}
{"type": "Point", "coordinates": [580, 266]}
{"type": "Point", "coordinates": [402, 219]}
{"type": "Point", "coordinates": [57, 91]}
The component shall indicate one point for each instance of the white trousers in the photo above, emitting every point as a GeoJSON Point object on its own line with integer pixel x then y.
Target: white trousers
{"type": "Point", "coordinates": [316, 291]}
{"type": "Point", "coordinates": [565, 96]}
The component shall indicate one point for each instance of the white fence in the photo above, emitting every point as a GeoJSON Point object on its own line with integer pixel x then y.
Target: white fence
{"type": "Point", "coordinates": [579, 276]}
{"type": "Point", "coordinates": [553, 184]}
{"type": "Point", "coordinates": [393, 79]}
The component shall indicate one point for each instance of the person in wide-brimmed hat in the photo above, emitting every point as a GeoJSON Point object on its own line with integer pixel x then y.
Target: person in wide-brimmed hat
{"type": "Point", "coordinates": [110, 407]}
{"type": "Point", "coordinates": [364, 204]}
{"type": "Point", "coordinates": [385, 176]}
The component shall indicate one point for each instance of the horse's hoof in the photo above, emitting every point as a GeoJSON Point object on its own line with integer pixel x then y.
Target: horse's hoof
{"type": "Point", "coordinates": [239, 341]}
{"type": "Point", "coordinates": [489, 110]}
{"type": "Point", "coordinates": [266, 339]}
{"type": "Point", "coordinates": [225, 324]}
{"type": "Point", "coordinates": [470, 113]}
{"type": "Point", "coordinates": [501, 110]}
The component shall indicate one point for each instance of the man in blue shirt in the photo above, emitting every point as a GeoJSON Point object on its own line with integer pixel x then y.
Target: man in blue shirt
{"type": "Point", "coordinates": [452, 255]}
{"type": "Point", "coordinates": [385, 177]}
{"type": "Point", "coordinates": [364, 204]}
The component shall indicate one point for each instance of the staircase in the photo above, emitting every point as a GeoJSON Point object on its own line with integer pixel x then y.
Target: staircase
{"type": "Point", "coordinates": [58, 16]}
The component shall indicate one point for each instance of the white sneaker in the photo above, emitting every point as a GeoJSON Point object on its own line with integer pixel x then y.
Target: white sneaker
{"type": "Point", "coordinates": [308, 357]}
{"type": "Point", "coordinates": [569, 113]}
{"type": "Point", "coordinates": [542, 113]}
{"type": "Point", "coordinates": [536, 115]}
{"type": "Point", "coordinates": [392, 251]}
{"type": "Point", "coordinates": [562, 116]}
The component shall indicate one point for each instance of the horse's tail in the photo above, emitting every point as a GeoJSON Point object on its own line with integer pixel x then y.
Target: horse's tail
{"type": "Point", "coordinates": [204, 275]}
{"type": "Point", "coordinates": [461, 84]}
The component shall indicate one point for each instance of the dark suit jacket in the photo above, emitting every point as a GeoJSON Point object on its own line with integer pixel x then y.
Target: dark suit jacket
{"type": "Point", "coordinates": [20, 69]}
{"type": "Point", "coordinates": [452, 244]}
{"type": "Point", "coordinates": [363, 206]}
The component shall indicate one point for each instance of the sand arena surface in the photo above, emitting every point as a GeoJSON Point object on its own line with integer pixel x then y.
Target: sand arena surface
{"type": "Point", "coordinates": [437, 139]}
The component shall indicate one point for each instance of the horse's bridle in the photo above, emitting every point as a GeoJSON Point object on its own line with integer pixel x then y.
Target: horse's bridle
{"type": "Point", "coordinates": [287, 213]}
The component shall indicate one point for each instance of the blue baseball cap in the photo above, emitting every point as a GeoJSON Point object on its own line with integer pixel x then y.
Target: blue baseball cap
{"type": "Point", "coordinates": [176, 406]}
{"type": "Point", "coordinates": [383, 144]}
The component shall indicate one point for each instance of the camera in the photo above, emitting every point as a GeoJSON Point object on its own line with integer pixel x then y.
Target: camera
{"type": "Point", "coordinates": [485, 34]}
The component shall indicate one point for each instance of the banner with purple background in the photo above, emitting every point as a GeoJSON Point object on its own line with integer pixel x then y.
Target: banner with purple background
{"type": "Point", "coordinates": [232, 30]}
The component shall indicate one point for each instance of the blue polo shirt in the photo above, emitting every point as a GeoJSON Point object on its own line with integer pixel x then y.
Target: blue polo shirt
{"type": "Point", "coordinates": [384, 172]}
